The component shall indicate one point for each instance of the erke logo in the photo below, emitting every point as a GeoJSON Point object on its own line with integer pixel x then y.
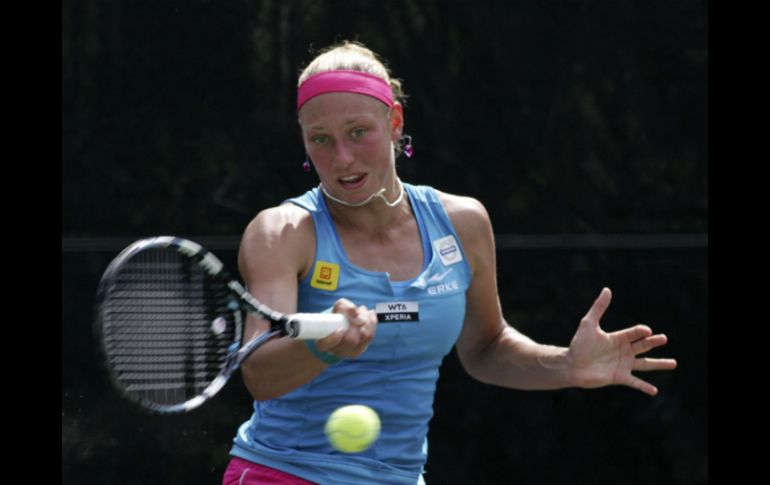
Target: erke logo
{"type": "Point", "coordinates": [436, 278]}
{"type": "Point", "coordinates": [325, 276]}
{"type": "Point", "coordinates": [441, 289]}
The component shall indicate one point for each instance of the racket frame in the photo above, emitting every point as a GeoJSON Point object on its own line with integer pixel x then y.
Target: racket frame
{"type": "Point", "coordinates": [297, 325]}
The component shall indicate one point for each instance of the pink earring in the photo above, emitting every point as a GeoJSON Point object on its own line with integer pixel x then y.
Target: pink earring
{"type": "Point", "coordinates": [306, 165]}
{"type": "Point", "coordinates": [408, 149]}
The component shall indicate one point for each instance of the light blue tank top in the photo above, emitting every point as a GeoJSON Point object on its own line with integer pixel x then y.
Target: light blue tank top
{"type": "Point", "coordinates": [419, 322]}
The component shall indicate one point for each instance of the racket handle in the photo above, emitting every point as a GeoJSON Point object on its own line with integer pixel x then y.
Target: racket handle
{"type": "Point", "coordinates": [314, 326]}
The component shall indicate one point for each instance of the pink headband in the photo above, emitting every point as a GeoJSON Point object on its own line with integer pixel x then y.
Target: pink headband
{"type": "Point", "coordinates": [344, 82]}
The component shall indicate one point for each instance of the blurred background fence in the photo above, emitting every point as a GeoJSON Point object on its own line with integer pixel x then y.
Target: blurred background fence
{"type": "Point", "coordinates": [581, 125]}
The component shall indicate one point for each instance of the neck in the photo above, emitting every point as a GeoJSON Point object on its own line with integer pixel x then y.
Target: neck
{"type": "Point", "coordinates": [380, 193]}
{"type": "Point", "coordinates": [369, 215]}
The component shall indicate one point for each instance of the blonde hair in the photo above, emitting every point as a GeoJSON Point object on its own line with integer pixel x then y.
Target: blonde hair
{"type": "Point", "coordinates": [353, 56]}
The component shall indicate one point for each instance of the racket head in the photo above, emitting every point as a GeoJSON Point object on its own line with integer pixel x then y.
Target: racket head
{"type": "Point", "coordinates": [167, 324]}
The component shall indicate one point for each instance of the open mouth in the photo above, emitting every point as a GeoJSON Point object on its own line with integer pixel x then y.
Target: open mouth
{"type": "Point", "coordinates": [352, 181]}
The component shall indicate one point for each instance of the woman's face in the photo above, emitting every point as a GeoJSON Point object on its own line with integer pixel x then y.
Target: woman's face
{"type": "Point", "coordinates": [349, 138]}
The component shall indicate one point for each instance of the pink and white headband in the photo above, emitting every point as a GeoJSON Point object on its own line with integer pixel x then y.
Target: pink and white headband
{"type": "Point", "coordinates": [342, 81]}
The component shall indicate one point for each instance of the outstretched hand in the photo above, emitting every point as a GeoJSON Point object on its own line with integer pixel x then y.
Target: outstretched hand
{"type": "Point", "coordinates": [601, 359]}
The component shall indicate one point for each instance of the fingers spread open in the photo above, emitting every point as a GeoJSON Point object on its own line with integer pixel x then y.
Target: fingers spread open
{"type": "Point", "coordinates": [647, 364]}
{"type": "Point", "coordinates": [599, 307]}
{"type": "Point", "coordinates": [633, 334]}
{"type": "Point", "coordinates": [638, 384]}
{"type": "Point", "coordinates": [643, 345]}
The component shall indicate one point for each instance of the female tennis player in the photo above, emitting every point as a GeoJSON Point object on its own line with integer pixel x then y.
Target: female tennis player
{"type": "Point", "coordinates": [413, 269]}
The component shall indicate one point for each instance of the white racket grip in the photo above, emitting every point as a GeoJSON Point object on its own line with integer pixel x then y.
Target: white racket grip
{"type": "Point", "coordinates": [314, 326]}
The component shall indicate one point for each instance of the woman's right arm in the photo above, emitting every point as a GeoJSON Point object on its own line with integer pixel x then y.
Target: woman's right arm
{"type": "Point", "coordinates": [276, 251]}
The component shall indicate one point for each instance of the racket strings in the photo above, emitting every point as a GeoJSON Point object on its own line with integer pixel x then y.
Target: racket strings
{"type": "Point", "coordinates": [167, 327]}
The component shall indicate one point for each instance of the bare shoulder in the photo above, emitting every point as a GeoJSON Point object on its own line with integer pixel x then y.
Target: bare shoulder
{"type": "Point", "coordinates": [286, 220]}
{"type": "Point", "coordinates": [466, 213]}
{"type": "Point", "coordinates": [281, 235]}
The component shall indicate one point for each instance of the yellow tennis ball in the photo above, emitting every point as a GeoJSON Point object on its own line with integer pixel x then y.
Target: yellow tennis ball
{"type": "Point", "coordinates": [353, 428]}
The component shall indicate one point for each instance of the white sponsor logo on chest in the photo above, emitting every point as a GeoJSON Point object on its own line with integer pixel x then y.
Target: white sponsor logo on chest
{"type": "Point", "coordinates": [397, 311]}
{"type": "Point", "coordinates": [445, 288]}
{"type": "Point", "coordinates": [448, 250]}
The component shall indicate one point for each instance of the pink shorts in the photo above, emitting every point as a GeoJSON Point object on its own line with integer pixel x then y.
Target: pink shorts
{"type": "Point", "coordinates": [242, 472]}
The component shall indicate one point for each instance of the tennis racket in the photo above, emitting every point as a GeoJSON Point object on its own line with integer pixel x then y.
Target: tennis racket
{"type": "Point", "coordinates": [169, 321]}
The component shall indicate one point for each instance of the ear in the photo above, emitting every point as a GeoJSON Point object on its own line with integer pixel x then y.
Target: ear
{"type": "Point", "coordinates": [396, 122]}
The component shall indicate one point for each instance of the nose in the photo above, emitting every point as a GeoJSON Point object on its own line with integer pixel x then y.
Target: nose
{"type": "Point", "coordinates": [343, 155]}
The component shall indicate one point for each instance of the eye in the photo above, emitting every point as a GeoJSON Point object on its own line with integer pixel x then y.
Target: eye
{"type": "Point", "coordinates": [320, 139]}
{"type": "Point", "coordinates": [358, 132]}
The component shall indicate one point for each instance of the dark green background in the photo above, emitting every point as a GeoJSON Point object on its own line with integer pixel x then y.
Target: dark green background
{"type": "Point", "coordinates": [562, 117]}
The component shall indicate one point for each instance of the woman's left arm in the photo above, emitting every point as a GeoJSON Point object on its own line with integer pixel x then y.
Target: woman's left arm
{"type": "Point", "coordinates": [494, 352]}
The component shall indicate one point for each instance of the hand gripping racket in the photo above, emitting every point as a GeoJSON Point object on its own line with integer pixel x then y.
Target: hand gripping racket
{"type": "Point", "coordinates": [169, 323]}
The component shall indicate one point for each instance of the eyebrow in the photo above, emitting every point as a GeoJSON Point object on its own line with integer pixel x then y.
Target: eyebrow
{"type": "Point", "coordinates": [346, 123]}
